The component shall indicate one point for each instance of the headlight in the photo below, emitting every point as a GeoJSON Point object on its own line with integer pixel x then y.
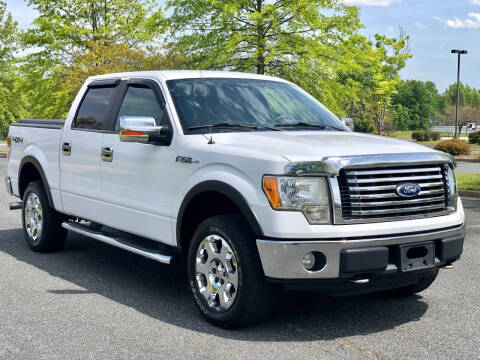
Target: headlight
{"type": "Point", "coordinates": [306, 194]}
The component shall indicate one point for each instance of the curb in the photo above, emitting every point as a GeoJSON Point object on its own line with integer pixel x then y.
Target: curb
{"type": "Point", "coordinates": [469, 194]}
{"type": "Point", "coordinates": [468, 160]}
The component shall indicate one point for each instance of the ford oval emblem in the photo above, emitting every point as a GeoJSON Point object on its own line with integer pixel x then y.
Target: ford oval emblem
{"type": "Point", "coordinates": [408, 190]}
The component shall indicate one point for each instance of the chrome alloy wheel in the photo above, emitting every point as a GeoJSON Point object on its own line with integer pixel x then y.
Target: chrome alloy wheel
{"type": "Point", "coordinates": [33, 217]}
{"type": "Point", "coordinates": [216, 272]}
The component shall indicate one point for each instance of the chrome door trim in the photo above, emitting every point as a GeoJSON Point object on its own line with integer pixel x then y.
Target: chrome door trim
{"type": "Point", "coordinates": [107, 154]}
{"type": "Point", "coordinates": [67, 149]}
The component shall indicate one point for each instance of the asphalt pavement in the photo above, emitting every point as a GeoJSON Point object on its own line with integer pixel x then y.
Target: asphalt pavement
{"type": "Point", "coordinates": [3, 146]}
{"type": "Point", "coordinates": [93, 301]}
{"type": "Point", "coordinates": [468, 167]}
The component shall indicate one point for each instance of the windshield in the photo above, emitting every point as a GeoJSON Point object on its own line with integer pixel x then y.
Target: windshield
{"type": "Point", "coordinates": [261, 103]}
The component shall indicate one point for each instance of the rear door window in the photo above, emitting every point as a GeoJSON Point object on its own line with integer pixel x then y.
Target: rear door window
{"type": "Point", "coordinates": [94, 111]}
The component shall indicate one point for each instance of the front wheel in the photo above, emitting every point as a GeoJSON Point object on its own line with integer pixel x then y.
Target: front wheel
{"type": "Point", "coordinates": [42, 225]}
{"type": "Point", "coordinates": [225, 273]}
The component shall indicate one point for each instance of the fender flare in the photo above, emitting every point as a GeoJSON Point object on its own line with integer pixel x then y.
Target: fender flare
{"type": "Point", "coordinates": [30, 160]}
{"type": "Point", "coordinates": [230, 192]}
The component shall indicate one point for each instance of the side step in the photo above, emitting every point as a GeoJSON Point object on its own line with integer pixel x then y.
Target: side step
{"type": "Point", "coordinates": [119, 242]}
{"type": "Point", "coordinates": [15, 205]}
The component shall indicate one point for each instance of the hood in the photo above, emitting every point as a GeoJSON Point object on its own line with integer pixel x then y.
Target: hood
{"type": "Point", "coordinates": [314, 145]}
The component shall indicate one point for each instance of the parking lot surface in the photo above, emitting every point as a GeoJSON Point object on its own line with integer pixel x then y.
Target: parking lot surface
{"type": "Point", "coordinates": [468, 167]}
{"type": "Point", "coordinates": [93, 301]}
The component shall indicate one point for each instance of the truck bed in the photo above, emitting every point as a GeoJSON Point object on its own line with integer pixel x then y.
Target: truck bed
{"type": "Point", "coordinates": [41, 123]}
{"type": "Point", "coordinates": [38, 139]}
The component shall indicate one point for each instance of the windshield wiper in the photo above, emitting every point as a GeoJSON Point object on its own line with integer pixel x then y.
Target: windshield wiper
{"type": "Point", "coordinates": [305, 124]}
{"type": "Point", "coordinates": [232, 125]}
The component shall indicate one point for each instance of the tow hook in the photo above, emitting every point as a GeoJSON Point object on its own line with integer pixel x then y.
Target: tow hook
{"type": "Point", "coordinates": [360, 281]}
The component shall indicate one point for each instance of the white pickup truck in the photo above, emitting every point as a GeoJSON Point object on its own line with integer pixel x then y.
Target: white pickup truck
{"type": "Point", "coordinates": [251, 179]}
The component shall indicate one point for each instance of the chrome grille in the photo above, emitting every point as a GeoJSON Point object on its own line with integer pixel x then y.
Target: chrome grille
{"type": "Point", "coordinates": [369, 194]}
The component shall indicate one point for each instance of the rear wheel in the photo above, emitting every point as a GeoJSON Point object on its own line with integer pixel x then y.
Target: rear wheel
{"type": "Point", "coordinates": [225, 273]}
{"type": "Point", "coordinates": [42, 225]}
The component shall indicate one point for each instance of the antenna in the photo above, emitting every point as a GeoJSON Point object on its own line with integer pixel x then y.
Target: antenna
{"type": "Point", "coordinates": [210, 139]}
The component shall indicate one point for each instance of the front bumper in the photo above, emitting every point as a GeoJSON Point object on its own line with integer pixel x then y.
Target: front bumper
{"type": "Point", "coordinates": [351, 258]}
{"type": "Point", "coordinates": [8, 185]}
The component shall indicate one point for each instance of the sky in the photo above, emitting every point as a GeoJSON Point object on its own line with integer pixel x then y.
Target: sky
{"type": "Point", "coordinates": [435, 27]}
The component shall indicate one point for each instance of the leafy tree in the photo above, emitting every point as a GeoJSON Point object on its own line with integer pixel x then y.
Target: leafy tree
{"type": "Point", "coordinates": [12, 101]}
{"type": "Point", "coordinates": [70, 31]}
{"type": "Point", "coordinates": [106, 57]}
{"type": "Point", "coordinates": [370, 77]}
{"type": "Point", "coordinates": [295, 39]}
{"type": "Point", "coordinates": [402, 117]}
{"type": "Point", "coordinates": [468, 96]}
{"type": "Point", "coordinates": [420, 99]}
{"type": "Point", "coordinates": [68, 26]}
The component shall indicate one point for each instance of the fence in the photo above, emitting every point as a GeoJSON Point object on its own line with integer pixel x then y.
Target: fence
{"type": "Point", "coordinates": [446, 127]}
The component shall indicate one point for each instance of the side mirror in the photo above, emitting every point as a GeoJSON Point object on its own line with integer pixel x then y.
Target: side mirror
{"type": "Point", "coordinates": [348, 123]}
{"type": "Point", "coordinates": [142, 129]}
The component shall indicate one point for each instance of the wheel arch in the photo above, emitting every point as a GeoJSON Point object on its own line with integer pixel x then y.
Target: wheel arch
{"type": "Point", "coordinates": [221, 192]}
{"type": "Point", "coordinates": [31, 170]}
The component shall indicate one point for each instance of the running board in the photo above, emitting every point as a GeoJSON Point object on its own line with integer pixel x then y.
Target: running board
{"type": "Point", "coordinates": [117, 242]}
{"type": "Point", "coordinates": [15, 206]}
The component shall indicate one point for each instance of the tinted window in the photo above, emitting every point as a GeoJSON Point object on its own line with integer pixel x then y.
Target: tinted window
{"type": "Point", "coordinates": [245, 101]}
{"type": "Point", "coordinates": [141, 101]}
{"type": "Point", "coordinates": [93, 112]}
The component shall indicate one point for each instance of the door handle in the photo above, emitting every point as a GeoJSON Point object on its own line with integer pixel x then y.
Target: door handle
{"type": "Point", "coordinates": [67, 149]}
{"type": "Point", "coordinates": [107, 154]}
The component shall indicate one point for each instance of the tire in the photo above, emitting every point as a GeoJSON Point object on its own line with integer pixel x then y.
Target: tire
{"type": "Point", "coordinates": [42, 225]}
{"type": "Point", "coordinates": [422, 284]}
{"type": "Point", "coordinates": [249, 298]}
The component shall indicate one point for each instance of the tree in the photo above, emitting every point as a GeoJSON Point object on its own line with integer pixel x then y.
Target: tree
{"type": "Point", "coordinates": [295, 39]}
{"type": "Point", "coordinates": [468, 96]}
{"type": "Point", "coordinates": [106, 57]}
{"type": "Point", "coordinates": [369, 76]}
{"type": "Point", "coordinates": [65, 27]}
{"type": "Point", "coordinates": [65, 30]}
{"type": "Point", "coordinates": [394, 54]}
{"type": "Point", "coordinates": [420, 99]}
{"type": "Point", "coordinates": [12, 101]}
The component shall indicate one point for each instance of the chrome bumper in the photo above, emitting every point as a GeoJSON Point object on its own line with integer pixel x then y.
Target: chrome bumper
{"type": "Point", "coordinates": [8, 185]}
{"type": "Point", "coordinates": [283, 259]}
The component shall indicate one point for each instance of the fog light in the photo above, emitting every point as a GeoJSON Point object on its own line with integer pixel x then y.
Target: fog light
{"type": "Point", "coordinates": [314, 261]}
{"type": "Point", "coordinates": [308, 261]}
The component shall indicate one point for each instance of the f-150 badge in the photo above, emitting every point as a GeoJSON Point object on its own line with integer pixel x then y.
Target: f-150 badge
{"type": "Point", "coordinates": [186, 160]}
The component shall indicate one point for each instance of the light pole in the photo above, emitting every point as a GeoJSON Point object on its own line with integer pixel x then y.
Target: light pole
{"type": "Point", "coordinates": [459, 52]}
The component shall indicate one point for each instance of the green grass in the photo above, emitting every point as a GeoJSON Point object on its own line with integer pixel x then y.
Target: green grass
{"type": "Point", "coordinates": [407, 134]}
{"type": "Point", "coordinates": [430, 143]}
{"type": "Point", "coordinates": [468, 181]}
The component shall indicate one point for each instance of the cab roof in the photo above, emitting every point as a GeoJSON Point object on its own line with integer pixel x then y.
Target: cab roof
{"type": "Point", "coordinates": [185, 74]}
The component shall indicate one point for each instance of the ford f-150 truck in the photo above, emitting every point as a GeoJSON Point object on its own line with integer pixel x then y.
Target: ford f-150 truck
{"type": "Point", "coordinates": [247, 177]}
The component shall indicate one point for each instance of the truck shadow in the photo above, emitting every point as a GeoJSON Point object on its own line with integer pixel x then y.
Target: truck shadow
{"type": "Point", "coordinates": [161, 292]}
